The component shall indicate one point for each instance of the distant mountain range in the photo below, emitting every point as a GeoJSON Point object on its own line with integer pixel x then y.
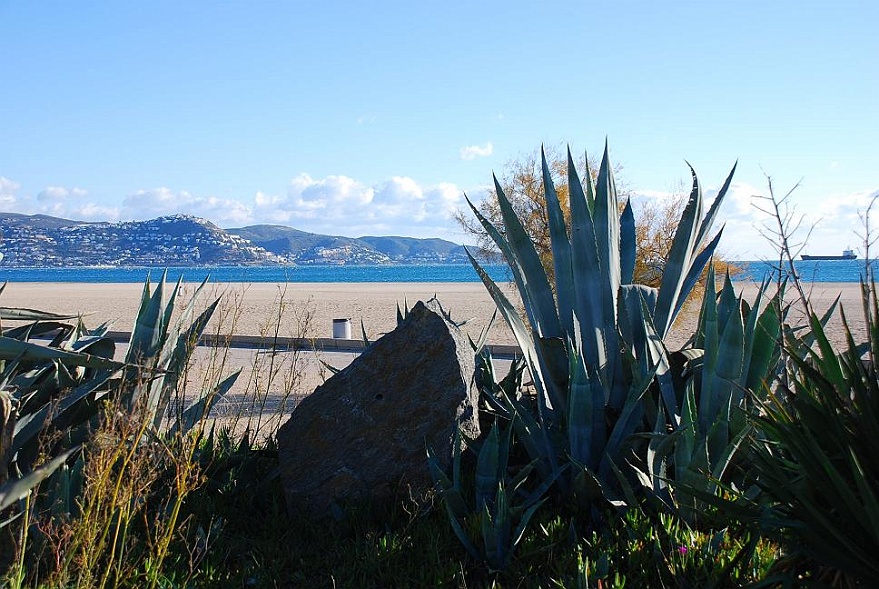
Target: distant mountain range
{"type": "Point", "coordinates": [183, 240]}
{"type": "Point", "coordinates": [312, 248]}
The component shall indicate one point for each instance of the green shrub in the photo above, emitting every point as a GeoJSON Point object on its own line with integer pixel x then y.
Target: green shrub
{"type": "Point", "coordinates": [817, 462]}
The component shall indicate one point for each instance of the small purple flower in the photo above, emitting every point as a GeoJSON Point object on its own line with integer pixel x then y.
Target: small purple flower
{"type": "Point", "coordinates": [682, 550]}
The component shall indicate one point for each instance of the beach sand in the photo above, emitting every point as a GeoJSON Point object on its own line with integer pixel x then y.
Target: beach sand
{"type": "Point", "coordinates": [308, 310]}
{"type": "Point", "coordinates": [253, 309]}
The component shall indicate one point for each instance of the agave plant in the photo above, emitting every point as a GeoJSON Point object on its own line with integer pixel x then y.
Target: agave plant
{"type": "Point", "coordinates": [58, 387]}
{"type": "Point", "coordinates": [491, 520]}
{"type": "Point", "coordinates": [594, 343]}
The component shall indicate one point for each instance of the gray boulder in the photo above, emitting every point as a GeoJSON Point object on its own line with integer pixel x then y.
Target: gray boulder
{"type": "Point", "coordinates": [362, 433]}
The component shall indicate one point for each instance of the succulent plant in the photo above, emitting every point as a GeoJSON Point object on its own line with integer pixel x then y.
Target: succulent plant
{"type": "Point", "coordinates": [594, 342]}
{"type": "Point", "coordinates": [491, 519]}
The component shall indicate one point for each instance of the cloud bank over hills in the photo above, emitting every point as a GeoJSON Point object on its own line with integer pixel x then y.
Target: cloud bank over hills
{"type": "Point", "coordinates": [400, 205]}
{"type": "Point", "coordinates": [333, 204]}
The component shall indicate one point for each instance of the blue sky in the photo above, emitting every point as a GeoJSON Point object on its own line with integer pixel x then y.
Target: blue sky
{"type": "Point", "coordinates": [358, 118]}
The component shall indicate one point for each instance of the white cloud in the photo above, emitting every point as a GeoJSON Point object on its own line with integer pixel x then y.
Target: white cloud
{"type": "Point", "coordinates": [343, 205]}
{"type": "Point", "coordinates": [471, 152]}
{"type": "Point", "coordinates": [60, 194]}
{"type": "Point", "coordinates": [94, 212]}
{"type": "Point", "coordinates": [8, 190]}
{"type": "Point", "coordinates": [743, 196]}
{"type": "Point", "coordinates": [815, 223]}
{"type": "Point", "coordinates": [305, 193]}
{"type": "Point", "coordinates": [156, 202]}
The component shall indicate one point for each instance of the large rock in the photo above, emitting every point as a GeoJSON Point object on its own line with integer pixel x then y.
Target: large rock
{"type": "Point", "coordinates": [363, 432]}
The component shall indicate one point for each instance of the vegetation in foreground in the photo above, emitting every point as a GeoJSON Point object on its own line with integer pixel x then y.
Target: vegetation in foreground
{"type": "Point", "coordinates": [747, 458]}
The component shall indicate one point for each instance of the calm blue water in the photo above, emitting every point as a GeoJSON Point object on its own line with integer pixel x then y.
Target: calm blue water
{"type": "Point", "coordinates": [817, 271]}
{"type": "Point", "coordinates": [811, 270]}
{"type": "Point", "coordinates": [438, 273]}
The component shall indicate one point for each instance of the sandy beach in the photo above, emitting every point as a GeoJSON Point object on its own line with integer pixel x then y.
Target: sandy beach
{"type": "Point", "coordinates": [308, 309]}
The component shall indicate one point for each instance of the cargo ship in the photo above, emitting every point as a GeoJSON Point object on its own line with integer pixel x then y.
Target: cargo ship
{"type": "Point", "coordinates": [847, 254]}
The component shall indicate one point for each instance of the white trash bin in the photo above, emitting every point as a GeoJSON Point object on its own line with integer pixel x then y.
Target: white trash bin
{"type": "Point", "coordinates": [341, 328]}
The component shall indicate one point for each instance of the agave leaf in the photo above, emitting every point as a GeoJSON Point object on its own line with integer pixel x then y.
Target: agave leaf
{"type": "Point", "coordinates": [586, 485]}
{"type": "Point", "coordinates": [96, 345]}
{"type": "Point", "coordinates": [761, 341]}
{"type": "Point", "coordinates": [586, 419]}
{"type": "Point", "coordinates": [708, 221]}
{"type": "Point", "coordinates": [701, 261]}
{"type": "Point", "coordinates": [65, 487]}
{"type": "Point", "coordinates": [631, 323]}
{"type": "Point", "coordinates": [522, 475]}
{"type": "Point", "coordinates": [148, 333]}
{"type": "Point", "coordinates": [686, 442]}
{"type": "Point", "coordinates": [456, 508]}
{"type": "Point", "coordinates": [828, 361]}
{"type": "Point", "coordinates": [174, 363]}
{"type": "Point", "coordinates": [363, 335]}
{"type": "Point", "coordinates": [660, 448]}
{"type": "Point", "coordinates": [628, 242]}
{"type": "Point", "coordinates": [718, 438]}
{"type": "Point", "coordinates": [607, 234]}
{"type": "Point", "coordinates": [561, 250]}
{"type": "Point", "coordinates": [523, 523]}
{"type": "Point", "coordinates": [534, 438]}
{"type": "Point", "coordinates": [496, 530]}
{"type": "Point", "coordinates": [679, 258]}
{"type": "Point", "coordinates": [722, 462]}
{"type": "Point", "coordinates": [22, 314]}
{"type": "Point", "coordinates": [184, 322]}
{"type": "Point", "coordinates": [29, 352]}
{"type": "Point", "coordinates": [547, 398]}
{"type": "Point", "coordinates": [198, 410]}
{"type": "Point", "coordinates": [731, 346]}
{"type": "Point", "coordinates": [537, 289]}
{"type": "Point", "coordinates": [866, 491]}
{"type": "Point", "coordinates": [628, 499]}
{"type": "Point", "coordinates": [586, 267]}
{"type": "Point", "coordinates": [524, 264]}
{"type": "Point", "coordinates": [509, 256]}
{"type": "Point", "coordinates": [29, 426]}
{"type": "Point", "coordinates": [710, 335]}
{"type": "Point", "coordinates": [479, 344]}
{"type": "Point", "coordinates": [18, 489]}
{"type": "Point", "coordinates": [333, 370]}
{"type": "Point", "coordinates": [626, 425]}
{"type": "Point", "coordinates": [658, 365]}
{"type": "Point", "coordinates": [34, 330]}
{"type": "Point", "coordinates": [488, 468]}
{"type": "Point", "coordinates": [728, 303]}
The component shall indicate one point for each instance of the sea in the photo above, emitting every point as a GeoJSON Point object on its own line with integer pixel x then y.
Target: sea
{"type": "Point", "coordinates": [813, 271]}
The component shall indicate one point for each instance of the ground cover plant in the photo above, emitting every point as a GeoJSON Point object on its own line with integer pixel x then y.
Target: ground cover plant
{"type": "Point", "coordinates": [607, 460]}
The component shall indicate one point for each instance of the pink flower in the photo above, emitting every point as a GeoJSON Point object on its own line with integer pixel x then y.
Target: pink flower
{"type": "Point", "coordinates": [682, 550]}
